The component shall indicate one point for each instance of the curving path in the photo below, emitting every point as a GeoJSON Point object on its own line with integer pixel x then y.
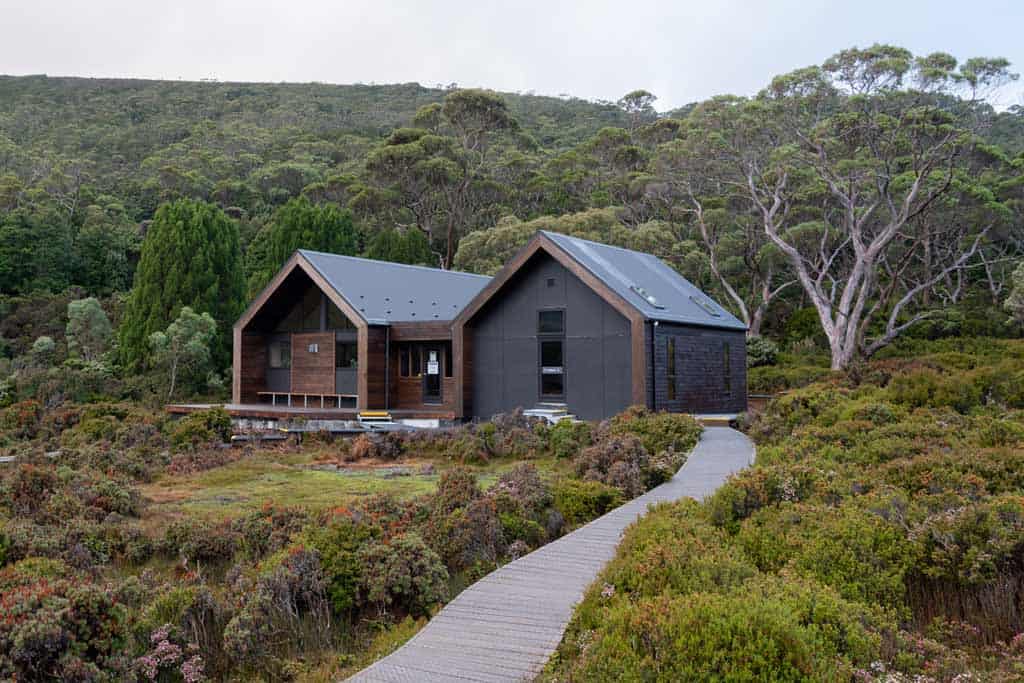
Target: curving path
{"type": "Point", "coordinates": [505, 626]}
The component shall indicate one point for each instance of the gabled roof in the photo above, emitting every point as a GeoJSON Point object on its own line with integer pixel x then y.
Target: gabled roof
{"type": "Point", "coordinates": [646, 283]}
{"type": "Point", "coordinates": [383, 292]}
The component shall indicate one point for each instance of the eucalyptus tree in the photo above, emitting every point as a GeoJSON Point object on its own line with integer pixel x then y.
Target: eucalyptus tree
{"type": "Point", "coordinates": [843, 164]}
{"type": "Point", "coordinates": [441, 170]}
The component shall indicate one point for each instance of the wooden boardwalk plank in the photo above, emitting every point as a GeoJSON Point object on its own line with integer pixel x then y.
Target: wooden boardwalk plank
{"type": "Point", "coordinates": [505, 626]}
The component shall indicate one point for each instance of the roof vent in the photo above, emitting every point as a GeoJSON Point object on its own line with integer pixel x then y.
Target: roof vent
{"type": "Point", "coordinates": [646, 296]}
{"type": "Point", "coordinates": [706, 304]}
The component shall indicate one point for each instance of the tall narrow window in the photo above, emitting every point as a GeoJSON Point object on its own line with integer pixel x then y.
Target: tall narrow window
{"type": "Point", "coordinates": [670, 368]}
{"type": "Point", "coordinates": [448, 359]}
{"type": "Point", "coordinates": [726, 366]}
{"type": "Point", "coordinates": [417, 369]}
{"type": "Point", "coordinates": [551, 337]}
{"type": "Point", "coordinates": [403, 360]}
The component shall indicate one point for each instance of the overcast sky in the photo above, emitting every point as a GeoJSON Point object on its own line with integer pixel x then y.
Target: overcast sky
{"type": "Point", "coordinates": [681, 50]}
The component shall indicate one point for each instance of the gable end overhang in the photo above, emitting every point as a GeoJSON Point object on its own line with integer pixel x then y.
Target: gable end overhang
{"type": "Point", "coordinates": [541, 242]}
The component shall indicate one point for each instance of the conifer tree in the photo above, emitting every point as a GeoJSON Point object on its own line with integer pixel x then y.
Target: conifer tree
{"type": "Point", "coordinates": [300, 224]}
{"type": "Point", "coordinates": [190, 257]}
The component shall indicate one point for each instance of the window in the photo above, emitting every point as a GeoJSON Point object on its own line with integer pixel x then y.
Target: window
{"type": "Point", "coordinates": [726, 366]}
{"type": "Point", "coordinates": [417, 367]}
{"type": "Point", "coordinates": [279, 354]}
{"type": "Point", "coordinates": [551, 322]}
{"type": "Point", "coordinates": [670, 368]}
{"type": "Point", "coordinates": [448, 360]}
{"type": "Point", "coordinates": [336, 320]}
{"type": "Point", "coordinates": [552, 370]}
{"type": "Point", "coordinates": [311, 303]}
{"type": "Point", "coordinates": [551, 282]}
{"type": "Point", "coordinates": [346, 356]}
{"type": "Point", "coordinates": [410, 360]}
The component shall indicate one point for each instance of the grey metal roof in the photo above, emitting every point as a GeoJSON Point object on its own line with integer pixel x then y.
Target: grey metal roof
{"type": "Point", "coordinates": [647, 283]}
{"type": "Point", "coordinates": [385, 292]}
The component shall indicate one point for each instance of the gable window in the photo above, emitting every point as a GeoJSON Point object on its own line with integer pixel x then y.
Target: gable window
{"type": "Point", "coordinates": [726, 366]}
{"type": "Point", "coordinates": [279, 354]}
{"type": "Point", "coordinates": [670, 368]}
{"type": "Point", "coordinates": [336, 320]}
{"type": "Point", "coordinates": [551, 322]}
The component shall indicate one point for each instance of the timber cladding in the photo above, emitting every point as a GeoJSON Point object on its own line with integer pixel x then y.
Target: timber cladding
{"type": "Point", "coordinates": [313, 363]}
{"type": "Point", "coordinates": [373, 367]}
{"type": "Point", "coordinates": [710, 369]}
{"type": "Point", "coordinates": [252, 367]}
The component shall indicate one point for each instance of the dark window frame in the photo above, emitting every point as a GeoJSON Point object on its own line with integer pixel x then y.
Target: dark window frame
{"type": "Point", "coordinates": [542, 338]}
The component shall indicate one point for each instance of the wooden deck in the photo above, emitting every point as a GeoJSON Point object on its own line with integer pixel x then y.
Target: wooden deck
{"type": "Point", "coordinates": [267, 411]}
{"type": "Point", "coordinates": [505, 626]}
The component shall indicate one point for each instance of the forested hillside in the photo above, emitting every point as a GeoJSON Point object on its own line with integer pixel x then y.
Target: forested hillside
{"type": "Point", "coordinates": [875, 195]}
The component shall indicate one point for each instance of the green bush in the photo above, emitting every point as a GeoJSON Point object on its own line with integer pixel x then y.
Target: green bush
{"type": "Point", "coordinates": [582, 501]}
{"type": "Point", "coordinates": [765, 630]}
{"type": "Point", "coordinates": [659, 431]}
{"type": "Point", "coordinates": [403, 575]}
{"type": "Point", "coordinates": [761, 352]}
{"type": "Point", "coordinates": [567, 438]}
{"type": "Point", "coordinates": [201, 428]}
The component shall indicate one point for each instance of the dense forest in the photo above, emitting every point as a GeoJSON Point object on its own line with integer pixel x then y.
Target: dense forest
{"type": "Point", "coordinates": [864, 217]}
{"type": "Point", "coordinates": [870, 196]}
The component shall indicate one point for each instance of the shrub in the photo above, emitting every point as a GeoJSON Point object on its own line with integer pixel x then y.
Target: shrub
{"type": "Point", "coordinates": [21, 420]}
{"type": "Point", "coordinates": [456, 488]}
{"type": "Point", "coordinates": [284, 611]}
{"type": "Point", "coordinates": [566, 438]}
{"type": "Point", "coordinates": [619, 461]}
{"type": "Point", "coordinates": [522, 489]}
{"type": "Point", "coordinates": [338, 543]}
{"type": "Point", "coordinates": [767, 630]}
{"type": "Point", "coordinates": [581, 501]}
{"type": "Point", "coordinates": [761, 352]}
{"type": "Point", "coordinates": [659, 431]}
{"type": "Point", "coordinates": [859, 554]}
{"type": "Point", "coordinates": [467, 536]}
{"type": "Point", "coordinates": [200, 541]}
{"type": "Point", "coordinates": [200, 428]}
{"type": "Point", "coordinates": [62, 630]}
{"type": "Point", "coordinates": [404, 575]}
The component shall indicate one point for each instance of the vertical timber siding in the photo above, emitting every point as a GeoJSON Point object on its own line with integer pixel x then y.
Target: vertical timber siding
{"type": "Point", "coordinates": [700, 369]}
{"type": "Point", "coordinates": [373, 367]}
{"type": "Point", "coordinates": [313, 373]}
{"type": "Point", "coordinates": [252, 367]}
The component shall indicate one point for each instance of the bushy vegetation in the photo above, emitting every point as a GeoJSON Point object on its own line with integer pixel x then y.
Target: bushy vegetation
{"type": "Point", "coordinates": [879, 537]}
{"type": "Point", "coordinates": [94, 586]}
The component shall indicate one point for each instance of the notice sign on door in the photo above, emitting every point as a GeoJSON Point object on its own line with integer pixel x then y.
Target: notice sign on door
{"type": "Point", "coordinates": [433, 367]}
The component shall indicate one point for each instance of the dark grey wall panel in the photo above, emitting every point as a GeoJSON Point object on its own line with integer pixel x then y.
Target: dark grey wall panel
{"type": "Point", "coordinates": [505, 345]}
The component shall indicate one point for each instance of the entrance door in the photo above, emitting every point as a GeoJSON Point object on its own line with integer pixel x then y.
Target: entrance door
{"type": "Point", "coordinates": [552, 369]}
{"type": "Point", "coordinates": [431, 374]}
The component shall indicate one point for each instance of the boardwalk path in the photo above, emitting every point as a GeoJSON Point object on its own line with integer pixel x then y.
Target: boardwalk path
{"type": "Point", "coordinates": [505, 626]}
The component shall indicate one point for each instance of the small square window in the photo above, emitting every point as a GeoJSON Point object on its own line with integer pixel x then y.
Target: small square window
{"type": "Point", "coordinates": [551, 282]}
{"type": "Point", "coordinates": [551, 322]}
